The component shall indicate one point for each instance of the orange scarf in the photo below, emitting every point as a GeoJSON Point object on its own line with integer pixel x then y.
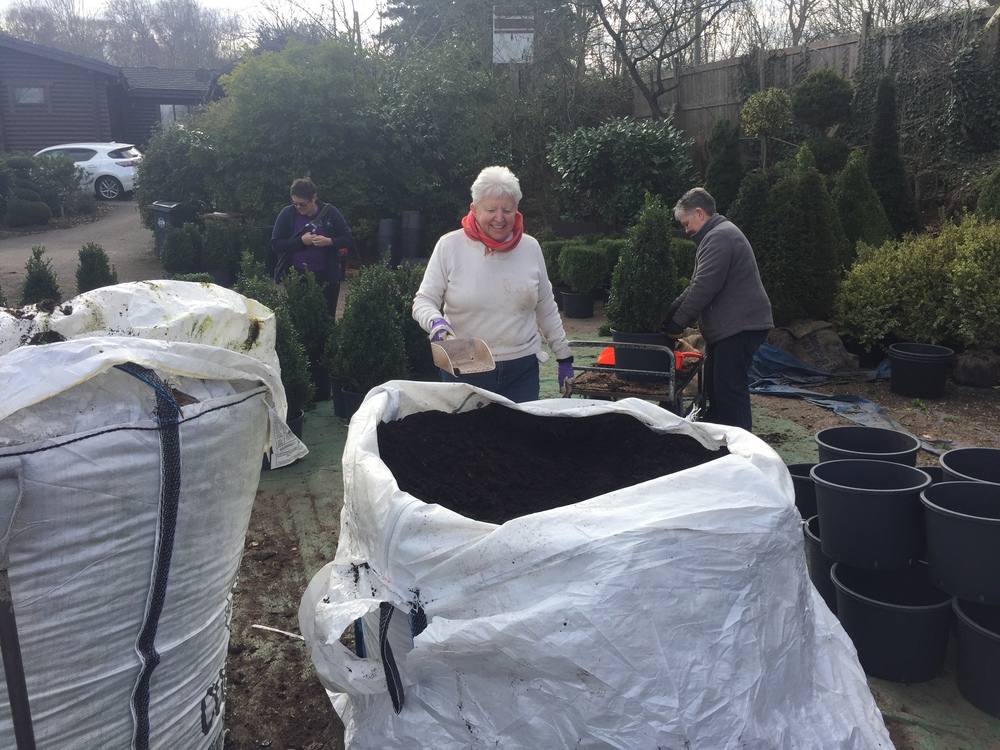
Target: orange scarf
{"type": "Point", "coordinates": [474, 233]}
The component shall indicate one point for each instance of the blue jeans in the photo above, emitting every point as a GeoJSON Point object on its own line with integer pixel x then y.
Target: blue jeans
{"type": "Point", "coordinates": [516, 379]}
{"type": "Point", "coordinates": [727, 378]}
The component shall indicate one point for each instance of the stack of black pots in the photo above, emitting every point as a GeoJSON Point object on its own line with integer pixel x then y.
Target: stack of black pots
{"type": "Point", "coordinates": [901, 553]}
{"type": "Point", "coordinates": [962, 517]}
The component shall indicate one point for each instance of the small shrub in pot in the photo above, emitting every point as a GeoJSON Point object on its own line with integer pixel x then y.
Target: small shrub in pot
{"type": "Point", "coordinates": [40, 283]}
{"type": "Point", "coordinates": [95, 269]}
{"type": "Point", "coordinates": [583, 267]}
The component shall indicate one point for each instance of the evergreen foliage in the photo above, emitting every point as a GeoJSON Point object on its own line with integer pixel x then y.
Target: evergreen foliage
{"type": "Point", "coordinates": [94, 269]}
{"type": "Point", "coordinates": [583, 267]}
{"type": "Point", "coordinates": [418, 351]}
{"type": "Point", "coordinates": [254, 282]}
{"type": "Point", "coordinates": [931, 288]}
{"type": "Point", "coordinates": [858, 205]}
{"type": "Point", "coordinates": [181, 253]}
{"type": "Point", "coordinates": [24, 213]}
{"type": "Point", "coordinates": [798, 256]}
{"type": "Point", "coordinates": [764, 114]}
{"type": "Point", "coordinates": [550, 253]}
{"type": "Point", "coordinates": [170, 170]}
{"type": "Point", "coordinates": [604, 171]}
{"type": "Point", "coordinates": [988, 204]}
{"type": "Point", "coordinates": [644, 282]}
{"type": "Point", "coordinates": [3, 299]}
{"type": "Point", "coordinates": [748, 210]}
{"type": "Point", "coordinates": [220, 246]}
{"type": "Point", "coordinates": [822, 99]}
{"type": "Point", "coordinates": [308, 311]}
{"type": "Point", "coordinates": [40, 282]}
{"type": "Point", "coordinates": [830, 153]}
{"type": "Point", "coordinates": [885, 163]}
{"type": "Point", "coordinates": [370, 346]}
{"type": "Point", "coordinates": [724, 172]}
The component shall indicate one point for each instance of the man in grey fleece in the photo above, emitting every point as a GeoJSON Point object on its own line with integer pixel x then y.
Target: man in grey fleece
{"type": "Point", "coordinates": [727, 299]}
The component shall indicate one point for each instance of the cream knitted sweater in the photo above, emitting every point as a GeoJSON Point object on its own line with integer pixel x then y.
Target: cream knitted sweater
{"type": "Point", "coordinates": [501, 298]}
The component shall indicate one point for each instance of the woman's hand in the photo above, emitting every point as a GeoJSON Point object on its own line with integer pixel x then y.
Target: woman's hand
{"type": "Point", "coordinates": [317, 240]}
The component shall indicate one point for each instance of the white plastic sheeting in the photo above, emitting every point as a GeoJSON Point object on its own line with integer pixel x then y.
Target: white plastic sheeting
{"type": "Point", "coordinates": [155, 310]}
{"type": "Point", "coordinates": [123, 537]}
{"type": "Point", "coordinates": [674, 613]}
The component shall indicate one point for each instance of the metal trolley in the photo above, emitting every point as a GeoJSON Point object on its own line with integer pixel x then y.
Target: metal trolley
{"type": "Point", "coordinates": [666, 388]}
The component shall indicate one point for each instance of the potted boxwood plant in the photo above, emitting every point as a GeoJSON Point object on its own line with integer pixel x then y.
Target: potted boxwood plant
{"type": "Point", "coordinates": [220, 253]}
{"type": "Point", "coordinates": [551, 249]}
{"type": "Point", "coordinates": [253, 282]}
{"type": "Point", "coordinates": [643, 286]}
{"type": "Point", "coordinates": [369, 348]}
{"type": "Point", "coordinates": [419, 361]}
{"type": "Point", "coordinates": [308, 309]}
{"type": "Point", "coordinates": [583, 267]}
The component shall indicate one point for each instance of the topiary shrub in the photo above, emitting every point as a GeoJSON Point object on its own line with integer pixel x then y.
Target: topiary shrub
{"type": "Point", "coordinates": [929, 288]}
{"type": "Point", "coordinates": [644, 282]}
{"type": "Point", "coordinates": [798, 253]}
{"type": "Point", "coordinates": [550, 253]}
{"type": "Point", "coordinates": [885, 163]}
{"type": "Point", "coordinates": [307, 308]}
{"type": "Point", "coordinates": [40, 283]}
{"type": "Point", "coordinates": [419, 360]}
{"type": "Point", "coordinates": [859, 207]}
{"type": "Point", "coordinates": [612, 247]}
{"type": "Point", "coordinates": [988, 204]}
{"type": "Point", "coordinates": [764, 114]}
{"type": "Point", "coordinates": [254, 282]}
{"type": "Point", "coordinates": [370, 346]}
{"type": "Point", "coordinates": [94, 269]}
{"type": "Point", "coordinates": [724, 172]}
{"type": "Point", "coordinates": [747, 211]}
{"type": "Point", "coordinates": [181, 251]}
{"type": "Point", "coordinates": [822, 99]}
{"type": "Point", "coordinates": [23, 213]}
{"type": "Point", "coordinates": [219, 247]}
{"type": "Point", "coordinates": [583, 267]}
{"type": "Point", "coordinates": [26, 194]}
{"type": "Point", "coordinates": [683, 252]}
{"type": "Point", "coordinates": [604, 171]}
{"type": "Point", "coordinates": [830, 153]}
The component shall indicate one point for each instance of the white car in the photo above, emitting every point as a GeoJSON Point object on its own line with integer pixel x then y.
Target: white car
{"type": "Point", "coordinates": [109, 168]}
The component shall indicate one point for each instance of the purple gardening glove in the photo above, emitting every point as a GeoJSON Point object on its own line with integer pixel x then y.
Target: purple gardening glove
{"type": "Point", "coordinates": [565, 372]}
{"type": "Point", "coordinates": [441, 329]}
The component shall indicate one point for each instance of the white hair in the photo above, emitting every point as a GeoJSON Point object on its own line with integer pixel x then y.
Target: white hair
{"type": "Point", "coordinates": [496, 182]}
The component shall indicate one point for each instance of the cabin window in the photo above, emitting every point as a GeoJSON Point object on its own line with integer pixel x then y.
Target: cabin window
{"type": "Point", "coordinates": [30, 95]}
{"type": "Point", "coordinates": [171, 113]}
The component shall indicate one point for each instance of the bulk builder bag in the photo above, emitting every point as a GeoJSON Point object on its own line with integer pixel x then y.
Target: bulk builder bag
{"type": "Point", "coordinates": [676, 612]}
{"type": "Point", "coordinates": [121, 538]}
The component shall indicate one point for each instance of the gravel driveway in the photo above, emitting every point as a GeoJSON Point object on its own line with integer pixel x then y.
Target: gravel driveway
{"type": "Point", "coordinates": [128, 244]}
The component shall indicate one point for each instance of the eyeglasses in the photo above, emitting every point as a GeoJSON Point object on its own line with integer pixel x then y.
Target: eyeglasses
{"type": "Point", "coordinates": [301, 204]}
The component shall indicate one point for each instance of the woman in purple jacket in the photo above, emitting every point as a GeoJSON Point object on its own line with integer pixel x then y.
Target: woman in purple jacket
{"type": "Point", "coordinates": [310, 235]}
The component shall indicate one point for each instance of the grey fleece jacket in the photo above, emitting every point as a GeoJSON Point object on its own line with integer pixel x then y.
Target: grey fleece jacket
{"type": "Point", "coordinates": [725, 294]}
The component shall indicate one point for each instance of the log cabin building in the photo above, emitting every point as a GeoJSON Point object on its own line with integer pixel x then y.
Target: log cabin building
{"type": "Point", "coordinates": [48, 97]}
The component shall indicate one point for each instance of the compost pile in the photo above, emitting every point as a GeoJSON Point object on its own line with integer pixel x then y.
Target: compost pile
{"type": "Point", "coordinates": [496, 463]}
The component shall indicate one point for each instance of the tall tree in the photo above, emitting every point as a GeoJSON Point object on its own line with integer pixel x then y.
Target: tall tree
{"type": "Point", "coordinates": [651, 38]}
{"type": "Point", "coordinates": [885, 163]}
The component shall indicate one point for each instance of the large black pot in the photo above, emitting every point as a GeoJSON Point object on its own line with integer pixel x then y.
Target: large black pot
{"type": "Point", "coordinates": [898, 621]}
{"type": "Point", "coordinates": [819, 564]}
{"type": "Point", "coordinates": [870, 512]}
{"type": "Point", "coordinates": [978, 673]}
{"type": "Point", "coordinates": [919, 370]}
{"type": "Point", "coordinates": [963, 539]}
{"type": "Point", "coordinates": [805, 489]}
{"type": "Point", "coordinates": [971, 465]}
{"type": "Point", "coordinates": [337, 396]}
{"type": "Point", "coordinates": [352, 402]}
{"type": "Point", "coordinates": [876, 443]}
{"type": "Point", "coordinates": [577, 305]}
{"type": "Point", "coordinates": [649, 360]}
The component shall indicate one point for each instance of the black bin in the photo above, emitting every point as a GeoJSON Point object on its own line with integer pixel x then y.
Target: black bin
{"type": "Point", "coordinates": [169, 214]}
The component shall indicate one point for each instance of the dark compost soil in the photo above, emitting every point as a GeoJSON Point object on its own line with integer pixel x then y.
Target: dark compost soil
{"type": "Point", "coordinates": [495, 463]}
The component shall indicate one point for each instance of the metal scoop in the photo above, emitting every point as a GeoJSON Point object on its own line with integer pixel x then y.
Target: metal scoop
{"type": "Point", "coordinates": [463, 356]}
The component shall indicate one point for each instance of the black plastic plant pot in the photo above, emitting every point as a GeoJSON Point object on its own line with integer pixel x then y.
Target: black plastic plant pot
{"type": "Point", "coordinates": [870, 512]}
{"type": "Point", "coordinates": [819, 564]}
{"type": "Point", "coordinates": [919, 370]}
{"type": "Point", "coordinates": [898, 621]}
{"type": "Point", "coordinates": [971, 464]}
{"type": "Point", "coordinates": [978, 663]}
{"type": "Point", "coordinates": [876, 443]}
{"type": "Point", "coordinates": [963, 539]}
{"type": "Point", "coordinates": [805, 489]}
{"type": "Point", "coordinates": [577, 305]}
{"type": "Point", "coordinates": [651, 360]}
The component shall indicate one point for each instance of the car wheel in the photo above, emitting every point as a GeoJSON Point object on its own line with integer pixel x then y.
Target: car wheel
{"type": "Point", "coordinates": [108, 188]}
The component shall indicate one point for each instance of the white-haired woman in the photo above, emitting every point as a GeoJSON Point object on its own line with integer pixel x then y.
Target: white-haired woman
{"type": "Point", "coordinates": [487, 280]}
